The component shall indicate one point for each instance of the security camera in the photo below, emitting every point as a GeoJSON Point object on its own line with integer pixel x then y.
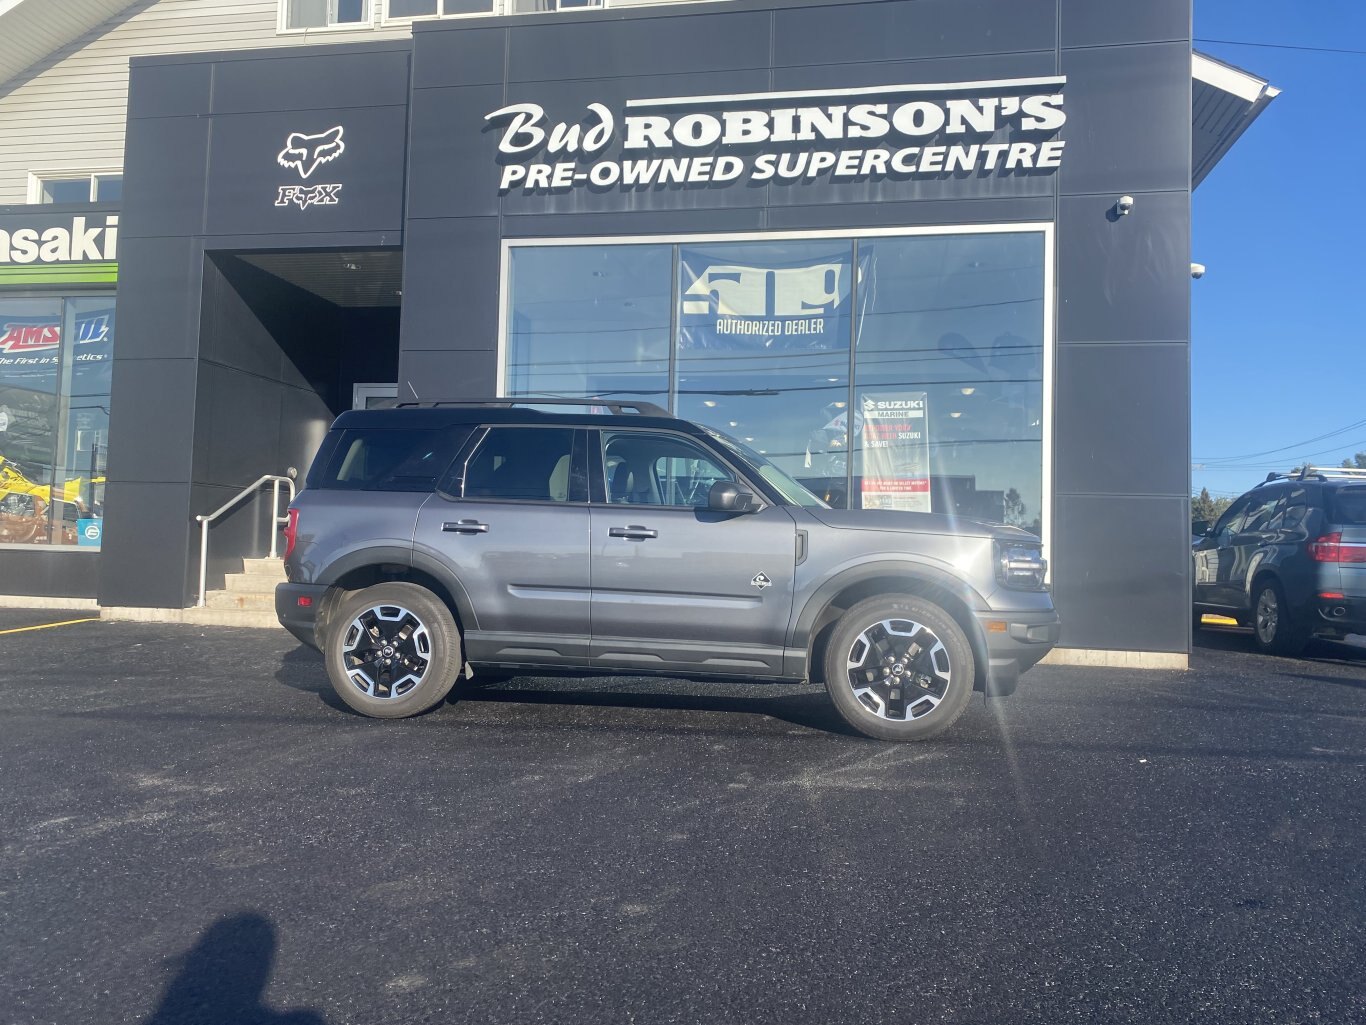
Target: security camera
{"type": "Point", "coordinates": [1197, 270]}
{"type": "Point", "coordinates": [1123, 205]}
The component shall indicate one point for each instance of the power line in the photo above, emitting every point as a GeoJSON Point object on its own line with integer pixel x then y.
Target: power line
{"type": "Point", "coordinates": [1214, 461]}
{"type": "Point", "coordinates": [1281, 46]}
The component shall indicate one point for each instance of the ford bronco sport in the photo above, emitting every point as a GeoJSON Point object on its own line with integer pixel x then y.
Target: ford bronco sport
{"type": "Point", "coordinates": [522, 536]}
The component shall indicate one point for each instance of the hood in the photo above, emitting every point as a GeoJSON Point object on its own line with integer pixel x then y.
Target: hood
{"type": "Point", "coordinates": [917, 523]}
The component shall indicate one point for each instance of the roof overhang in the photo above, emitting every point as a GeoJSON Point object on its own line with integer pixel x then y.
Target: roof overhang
{"type": "Point", "coordinates": [34, 29]}
{"type": "Point", "coordinates": [1224, 101]}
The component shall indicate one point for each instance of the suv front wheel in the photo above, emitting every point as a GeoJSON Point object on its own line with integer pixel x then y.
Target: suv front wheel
{"type": "Point", "coordinates": [899, 668]}
{"type": "Point", "coordinates": [392, 650]}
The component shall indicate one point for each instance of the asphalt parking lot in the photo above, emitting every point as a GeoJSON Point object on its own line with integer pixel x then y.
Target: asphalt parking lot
{"type": "Point", "coordinates": [195, 830]}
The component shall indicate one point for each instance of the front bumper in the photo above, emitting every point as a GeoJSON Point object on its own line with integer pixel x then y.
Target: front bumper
{"type": "Point", "coordinates": [299, 607]}
{"type": "Point", "coordinates": [1014, 642]}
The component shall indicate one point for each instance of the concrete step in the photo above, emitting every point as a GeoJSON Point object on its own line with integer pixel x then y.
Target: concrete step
{"type": "Point", "coordinates": [253, 618]}
{"type": "Point", "coordinates": [274, 568]}
{"type": "Point", "coordinates": [241, 600]}
{"type": "Point", "coordinates": [253, 583]}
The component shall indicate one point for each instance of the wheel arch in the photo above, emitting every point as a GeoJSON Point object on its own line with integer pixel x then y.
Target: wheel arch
{"type": "Point", "coordinates": [383, 565]}
{"type": "Point", "coordinates": [823, 610]}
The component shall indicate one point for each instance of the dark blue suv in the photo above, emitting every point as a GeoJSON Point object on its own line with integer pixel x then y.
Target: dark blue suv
{"type": "Point", "coordinates": [1289, 559]}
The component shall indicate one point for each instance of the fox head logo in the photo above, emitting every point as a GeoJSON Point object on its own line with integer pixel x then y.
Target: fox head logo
{"type": "Point", "coordinates": [305, 152]}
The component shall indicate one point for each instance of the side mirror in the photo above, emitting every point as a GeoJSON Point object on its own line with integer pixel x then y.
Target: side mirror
{"type": "Point", "coordinates": [726, 496]}
{"type": "Point", "coordinates": [1200, 528]}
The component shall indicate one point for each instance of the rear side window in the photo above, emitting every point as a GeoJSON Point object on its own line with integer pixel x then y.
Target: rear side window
{"type": "Point", "coordinates": [1347, 507]}
{"type": "Point", "coordinates": [372, 459]}
{"type": "Point", "coordinates": [527, 464]}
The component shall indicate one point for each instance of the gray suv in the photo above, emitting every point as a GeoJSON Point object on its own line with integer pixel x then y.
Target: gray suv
{"type": "Point", "coordinates": [1289, 559]}
{"type": "Point", "coordinates": [531, 536]}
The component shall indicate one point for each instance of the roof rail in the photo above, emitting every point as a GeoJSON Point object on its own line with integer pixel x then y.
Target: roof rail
{"type": "Point", "coordinates": [1333, 471]}
{"type": "Point", "coordinates": [1317, 473]}
{"type": "Point", "coordinates": [612, 405]}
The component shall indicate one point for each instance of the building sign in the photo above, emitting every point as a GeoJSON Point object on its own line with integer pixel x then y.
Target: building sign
{"type": "Point", "coordinates": [896, 452]}
{"type": "Point", "coordinates": [75, 239]}
{"type": "Point", "coordinates": [305, 153]}
{"type": "Point", "coordinates": [841, 135]}
{"type": "Point", "coordinates": [776, 306]}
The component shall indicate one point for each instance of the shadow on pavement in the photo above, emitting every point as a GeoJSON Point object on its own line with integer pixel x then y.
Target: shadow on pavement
{"type": "Point", "coordinates": [301, 668]}
{"type": "Point", "coordinates": [1232, 638]}
{"type": "Point", "coordinates": [809, 709]}
{"type": "Point", "coordinates": [223, 977]}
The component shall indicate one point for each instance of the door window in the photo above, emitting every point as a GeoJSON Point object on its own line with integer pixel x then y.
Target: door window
{"type": "Point", "coordinates": [527, 464]}
{"type": "Point", "coordinates": [1260, 512]}
{"type": "Point", "coordinates": [1290, 513]}
{"type": "Point", "coordinates": [643, 468]}
{"type": "Point", "coordinates": [1232, 521]}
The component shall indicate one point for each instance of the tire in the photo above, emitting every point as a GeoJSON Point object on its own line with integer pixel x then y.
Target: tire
{"type": "Point", "coordinates": [939, 679]}
{"type": "Point", "coordinates": [1273, 625]}
{"type": "Point", "coordinates": [419, 638]}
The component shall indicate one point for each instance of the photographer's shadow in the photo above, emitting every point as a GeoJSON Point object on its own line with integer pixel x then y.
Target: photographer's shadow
{"type": "Point", "coordinates": [223, 977]}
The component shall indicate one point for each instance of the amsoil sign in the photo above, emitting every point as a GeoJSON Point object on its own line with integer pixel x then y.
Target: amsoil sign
{"type": "Point", "coordinates": [901, 131]}
{"type": "Point", "coordinates": [79, 239]}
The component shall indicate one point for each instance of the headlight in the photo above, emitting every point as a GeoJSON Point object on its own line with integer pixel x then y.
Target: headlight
{"type": "Point", "coordinates": [1020, 566]}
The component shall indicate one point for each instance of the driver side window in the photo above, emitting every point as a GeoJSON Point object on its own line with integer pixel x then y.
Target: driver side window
{"type": "Point", "coordinates": [1232, 522]}
{"type": "Point", "coordinates": [643, 468]}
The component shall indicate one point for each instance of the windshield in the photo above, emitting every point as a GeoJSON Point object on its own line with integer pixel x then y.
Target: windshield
{"type": "Point", "coordinates": [785, 485]}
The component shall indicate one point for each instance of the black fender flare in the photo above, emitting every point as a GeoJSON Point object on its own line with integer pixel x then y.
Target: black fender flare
{"type": "Point", "coordinates": [802, 633]}
{"type": "Point", "coordinates": [393, 555]}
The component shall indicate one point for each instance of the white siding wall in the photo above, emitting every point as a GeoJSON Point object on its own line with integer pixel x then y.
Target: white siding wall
{"type": "Point", "coordinates": [67, 112]}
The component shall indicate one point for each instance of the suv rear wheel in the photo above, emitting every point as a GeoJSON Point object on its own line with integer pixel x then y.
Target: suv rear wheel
{"type": "Point", "coordinates": [899, 668]}
{"type": "Point", "coordinates": [1273, 624]}
{"type": "Point", "coordinates": [392, 650]}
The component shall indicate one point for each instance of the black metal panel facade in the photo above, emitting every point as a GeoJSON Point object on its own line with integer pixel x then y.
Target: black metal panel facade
{"type": "Point", "coordinates": [423, 169]}
{"type": "Point", "coordinates": [208, 394]}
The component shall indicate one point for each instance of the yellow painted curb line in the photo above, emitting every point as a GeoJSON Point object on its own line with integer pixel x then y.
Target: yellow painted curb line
{"type": "Point", "coordinates": [49, 626]}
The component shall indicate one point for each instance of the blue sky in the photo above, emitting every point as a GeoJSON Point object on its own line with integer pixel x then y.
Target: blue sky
{"type": "Point", "coordinates": [1278, 332]}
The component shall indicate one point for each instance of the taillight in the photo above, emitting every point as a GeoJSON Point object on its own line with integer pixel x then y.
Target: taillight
{"type": "Point", "coordinates": [291, 531]}
{"type": "Point", "coordinates": [1331, 548]}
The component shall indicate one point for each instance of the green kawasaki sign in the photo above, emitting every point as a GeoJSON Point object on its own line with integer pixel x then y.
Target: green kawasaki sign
{"type": "Point", "coordinates": [38, 247]}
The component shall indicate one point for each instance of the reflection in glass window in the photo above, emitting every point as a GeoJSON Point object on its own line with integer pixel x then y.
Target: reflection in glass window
{"type": "Point", "coordinates": [589, 321]}
{"type": "Point", "coordinates": [949, 376]}
{"type": "Point", "coordinates": [943, 336]}
{"type": "Point", "coordinates": [55, 361]}
{"type": "Point", "coordinates": [763, 350]}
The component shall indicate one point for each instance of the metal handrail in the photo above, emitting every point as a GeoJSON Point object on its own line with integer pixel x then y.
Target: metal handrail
{"type": "Point", "coordinates": [275, 481]}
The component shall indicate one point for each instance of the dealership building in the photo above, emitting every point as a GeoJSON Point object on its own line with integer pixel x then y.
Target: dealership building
{"type": "Point", "coordinates": [924, 254]}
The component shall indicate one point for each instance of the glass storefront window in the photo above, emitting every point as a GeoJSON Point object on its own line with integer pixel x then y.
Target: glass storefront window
{"type": "Point", "coordinates": [55, 363]}
{"type": "Point", "coordinates": [763, 349]}
{"type": "Point", "coordinates": [893, 372]}
{"type": "Point", "coordinates": [589, 321]}
{"type": "Point", "coordinates": [949, 376]}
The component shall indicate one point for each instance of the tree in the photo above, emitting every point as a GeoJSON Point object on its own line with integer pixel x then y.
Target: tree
{"type": "Point", "coordinates": [1359, 464]}
{"type": "Point", "coordinates": [1206, 507]}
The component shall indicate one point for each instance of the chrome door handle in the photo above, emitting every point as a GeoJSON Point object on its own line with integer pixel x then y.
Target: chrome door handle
{"type": "Point", "coordinates": [466, 527]}
{"type": "Point", "coordinates": [633, 532]}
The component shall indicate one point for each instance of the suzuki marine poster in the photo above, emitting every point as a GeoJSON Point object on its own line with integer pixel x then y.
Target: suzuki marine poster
{"type": "Point", "coordinates": [764, 307]}
{"type": "Point", "coordinates": [896, 451]}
